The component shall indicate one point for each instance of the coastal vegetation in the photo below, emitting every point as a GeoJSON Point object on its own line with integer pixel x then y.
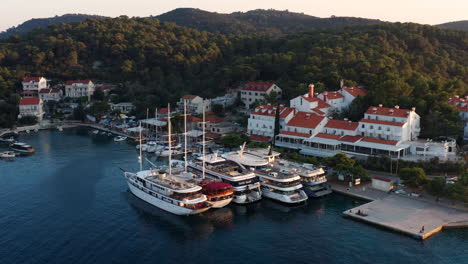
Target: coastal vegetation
{"type": "Point", "coordinates": [154, 62]}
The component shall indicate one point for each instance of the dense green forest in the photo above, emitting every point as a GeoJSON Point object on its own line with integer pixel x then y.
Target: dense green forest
{"type": "Point", "coordinates": [156, 62]}
{"type": "Point", "coordinates": [273, 23]}
{"type": "Point", "coordinates": [31, 24]}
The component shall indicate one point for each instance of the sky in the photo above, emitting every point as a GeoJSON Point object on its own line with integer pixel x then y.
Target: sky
{"type": "Point", "coordinates": [14, 12]}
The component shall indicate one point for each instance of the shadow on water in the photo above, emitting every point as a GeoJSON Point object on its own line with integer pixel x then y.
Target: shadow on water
{"type": "Point", "coordinates": [180, 228]}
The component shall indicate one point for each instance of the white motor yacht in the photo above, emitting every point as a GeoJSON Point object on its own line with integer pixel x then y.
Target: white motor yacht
{"type": "Point", "coordinates": [313, 179]}
{"type": "Point", "coordinates": [281, 185]}
{"type": "Point", "coordinates": [22, 148]}
{"type": "Point", "coordinates": [245, 184]}
{"type": "Point", "coordinates": [120, 138]}
{"type": "Point", "coordinates": [8, 155]}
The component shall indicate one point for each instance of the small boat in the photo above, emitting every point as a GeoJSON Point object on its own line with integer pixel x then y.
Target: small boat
{"type": "Point", "coordinates": [22, 148]}
{"type": "Point", "coordinates": [8, 141]}
{"type": "Point", "coordinates": [120, 138]}
{"type": "Point", "coordinates": [8, 155]}
{"type": "Point", "coordinates": [95, 132]}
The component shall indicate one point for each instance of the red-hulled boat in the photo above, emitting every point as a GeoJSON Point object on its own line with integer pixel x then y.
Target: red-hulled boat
{"type": "Point", "coordinates": [219, 194]}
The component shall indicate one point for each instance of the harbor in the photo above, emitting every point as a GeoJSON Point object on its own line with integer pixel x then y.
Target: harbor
{"type": "Point", "coordinates": [81, 200]}
{"type": "Point", "coordinates": [412, 216]}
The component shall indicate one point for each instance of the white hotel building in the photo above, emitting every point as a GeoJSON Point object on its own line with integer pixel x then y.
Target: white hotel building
{"type": "Point", "coordinates": [253, 92]}
{"type": "Point", "coordinates": [79, 88]}
{"type": "Point", "coordinates": [34, 84]}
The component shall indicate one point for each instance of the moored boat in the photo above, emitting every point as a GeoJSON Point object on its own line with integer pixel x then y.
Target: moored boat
{"type": "Point", "coordinates": [120, 138]}
{"type": "Point", "coordinates": [8, 155]}
{"type": "Point", "coordinates": [313, 179]}
{"type": "Point", "coordinates": [22, 148]}
{"type": "Point", "coordinates": [281, 185]}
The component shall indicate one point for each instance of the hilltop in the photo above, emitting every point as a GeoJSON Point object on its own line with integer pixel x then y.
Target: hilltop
{"type": "Point", "coordinates": [460, 25]}
{"type": "Point", "coordinates": [31, 24]}
{"type": "Point", "coordinates": [263, 22]}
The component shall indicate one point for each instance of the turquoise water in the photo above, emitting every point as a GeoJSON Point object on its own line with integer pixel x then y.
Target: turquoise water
{"type": "Point", "coordinates": [69, 203]}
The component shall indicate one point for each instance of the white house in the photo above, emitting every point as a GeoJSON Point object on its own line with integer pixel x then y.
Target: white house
{"type": "Point", "coordinates": [195, 104]}
{"type": "Point", "coordinates": [50, 95]}
{"type": "Point", "coordinates": [79, 88]}
{"type": "Point", "coordinates": [34, 83]}
{"type": "Point", "coordinates": [462, 105]}
{"type": "Point", "coordinates": [124, 107]}
{"type": "Point", "coordinates": [327, 102]}
{"type": "Point", "coordinates": [382, 184]}
{"type": "Point", "coordinates": [253, 92]}
{"type": "Point", "coordinates": [309, 103]}
{"type": "Point", "coordinates": [302, 126]}
{"type": "Point", "coordinates": [390, 123]}
{"type": "Point", "coordinates": [262, 120]}
{"type": "Point", "coordinates": [31, 106]}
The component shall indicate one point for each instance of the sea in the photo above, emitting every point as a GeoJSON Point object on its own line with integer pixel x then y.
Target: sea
{"type": "Point", "coordinates": [69, 203]}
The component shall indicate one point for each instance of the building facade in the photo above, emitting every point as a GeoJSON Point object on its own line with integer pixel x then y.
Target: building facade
{"type": "Point", "coordinates": [31, 106]}
{"type": "Point", "coordinates": [195, 104]}
{"type": "Point", "coordinates": [253, 92]}
{"type": "Point", "coordinates": [34, 83]}
{"type": "Point", "coordinates": [262, 120]}
{"type": "Point", "coordinates": [124, 107]}
{"type": "Point", "coordinates": [461, 103]}
{"type": "Point", "coordinates": [50, 95]}
{"type": "Point", "coordinates": [79, 88]}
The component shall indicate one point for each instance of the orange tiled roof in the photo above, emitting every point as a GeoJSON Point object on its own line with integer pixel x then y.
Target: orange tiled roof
{"type": "Point", "coordinates": [296, 134]}
{"type": "Point", "coordinates": [259, 138]}
{"type": "Point", "coordinates": [257, 86]}
{"type": "Point", "coordinates": [270, 110]}
{"type": "Point", "coordinates": [342, 124]}
{"type": "Point", "coordinates": [386, 111]}
{"type": "Point", "coordinates": [351, 139]}
{"type": "Point", "coordinates": [307, 120]}
{"type": "Point", "coordinates": [332, 95]}
{"type": "Point", "coordinates": [188, 97]}
{"type": "Point", "coordinates": [355, 91]}
{"type": "Point", "coordinates": [29, 101]}
{"type": "Point", "coordinates": [379, 141]}
{"type": "Point", "coordinates": [328, 136]}
{"type": "Point", "coordinates": [32, 79]}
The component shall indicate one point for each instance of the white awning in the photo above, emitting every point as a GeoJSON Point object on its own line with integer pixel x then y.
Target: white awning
{"type": "Point", "coordinates": [154, 122]}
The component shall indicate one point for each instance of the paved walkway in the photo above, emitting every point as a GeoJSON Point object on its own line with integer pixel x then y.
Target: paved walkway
{"type": "Point", "coordinates": [402, 213]}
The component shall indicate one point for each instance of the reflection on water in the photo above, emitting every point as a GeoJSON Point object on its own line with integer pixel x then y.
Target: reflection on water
{"type": "Point", "coordinates": [69, 203]}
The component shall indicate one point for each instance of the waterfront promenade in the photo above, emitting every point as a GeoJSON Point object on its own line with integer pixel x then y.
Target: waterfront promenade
{"type": "Point", "coordinates": [401, 213]}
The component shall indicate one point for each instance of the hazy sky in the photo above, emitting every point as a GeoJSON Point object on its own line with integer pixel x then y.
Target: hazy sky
{"type": "Point", "coordinates": [14, 12]}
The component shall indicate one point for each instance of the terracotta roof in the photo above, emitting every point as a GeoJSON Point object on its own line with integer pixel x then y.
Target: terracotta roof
{"type": "Point", "coordinates": [30, 101]}
{"type": "Point", "coordinates": [215, 119]}
{"type": "Point", "coordinates": [380, 122]}
{"type": "Point", "coordinates": [78, 81]}
{"type": "Point", "coordinates": [193, 119]}
{"type": "Point", "coordinates": [270, 110]}
{"type": "Point", "coordinates": [257, 86]}
{"type": "Point", "coordinates": [307, 120]}
{"type": "Point", "coordinates": [163, 110]}
{"type": "Point", "coordinates": [188, 97]}
{"type": "Point", "coordinates": [332, 95]}
{"type": "Point", "coordinates": [296, 134]}
{"type": "Point", "coordinates": [342, 124]}
{"type": "Point", "coordinates": [351, 139]}
{"type": "Point", "coordinates": [32, 79]}
{"type": "Point", "coordinates": [328, 136]}
{"type": "Point", "coordinates": [49, 91]}
{"type": "Point", "coordinates": [318, 111]}
{"type": "Point", "coordinates": [259, 138]}
{"type": "Point", "coordinates": [28, 92]}
{"type": "Point", "coordinates": [212, 135]}
{"type": "Point", "coordinates": [381, 179]}
{"type": "Point", "coordinates": [379, 141]}
{"type": "Point", "coordinates": [355, 91]}
{"type": "Point", "coordinates": [386, 111]}
{"type": "Point", "coordinates": [320, 102]}
{"type": "Point", "coordinates": [459, 102]}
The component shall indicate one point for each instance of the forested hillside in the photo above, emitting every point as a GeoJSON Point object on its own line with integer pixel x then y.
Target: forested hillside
{"type": "Point", "coordinates": [460, 25]}
{"type": "Point", "coordinates": [43, 23]}
{"type": "Point", "coordinates": [156, 62]}
{"type": "Point", "coordinates": [272, 23]}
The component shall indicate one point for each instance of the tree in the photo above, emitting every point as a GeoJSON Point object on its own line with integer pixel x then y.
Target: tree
{"type": "Point", "coordinates": [218, 109]}
{"type": "Point", "coordinates": [359, 172]}
{"type": "Point", "coordinates": [27, 120]}
{"type": "Point", "coordinates": [232, 140]}
{"type": "Point", "coordinates": [98, 95]}
{"type": "Point", "coordinates": [79, 113]}
{"type": "Point", "coordinates": [340, 162]}
{"type": "Point", "coordinates": [99, 109]}
{"type": "Point", "coordinates": [413, 177]}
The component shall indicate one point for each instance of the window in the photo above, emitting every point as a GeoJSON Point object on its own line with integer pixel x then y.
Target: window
{"type": "Point", "coordinates": [295, 129]}
{"type": "Point", "coordinates": [380, 128]}
{"type": "Point", "coordinates": [363, 126]}
{"type": "Point", "coordinates": [362, 133]}
{"type": "Point", "coordinates": [310, 132]}
{"type": "Point", "coordinates": [371, 127]}
{"type": "Point", "coordinates": [342, 133]}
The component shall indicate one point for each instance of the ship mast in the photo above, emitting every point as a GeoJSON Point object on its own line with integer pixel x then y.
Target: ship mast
{"type": "Point", "coordinates": [169, 137]}
{"type": "Point", "coordinates": [185, 135]}
{"type": "Point", "coordinates": [203, 146]}
{"type": "Point", "coordinates": [141, 157]}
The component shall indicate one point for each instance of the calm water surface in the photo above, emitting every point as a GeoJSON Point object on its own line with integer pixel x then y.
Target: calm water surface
{"type": "Point", "coordinates": [69, 203]}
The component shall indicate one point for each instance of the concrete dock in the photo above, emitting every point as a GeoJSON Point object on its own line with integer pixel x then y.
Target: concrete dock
{"type": "Point", "coordinates": [403, 214]}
